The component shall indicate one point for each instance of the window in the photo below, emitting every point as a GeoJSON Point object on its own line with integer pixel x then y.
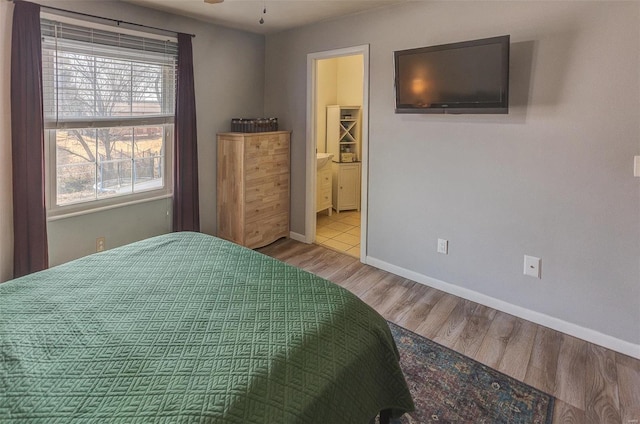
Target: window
{"type": "Point", "coordinates": [109, 109]}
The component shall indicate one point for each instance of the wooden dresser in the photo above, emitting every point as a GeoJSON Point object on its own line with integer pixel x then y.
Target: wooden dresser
{"type": "Point", "coordinates": [253, 187]}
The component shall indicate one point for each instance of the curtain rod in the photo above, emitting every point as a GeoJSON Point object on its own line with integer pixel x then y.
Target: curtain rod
{"type": "Point", "coordinates": [117, 21]}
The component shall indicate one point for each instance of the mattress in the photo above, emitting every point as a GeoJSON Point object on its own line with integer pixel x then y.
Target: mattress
{"type": "Point", "coordinates": [187, 327]}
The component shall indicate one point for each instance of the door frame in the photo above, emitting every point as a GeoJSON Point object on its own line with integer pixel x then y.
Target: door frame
{"type": "Point", "coordinates": [312, 143]}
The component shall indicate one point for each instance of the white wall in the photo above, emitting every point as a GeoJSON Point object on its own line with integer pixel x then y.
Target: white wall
{"type": "Point", "coordinates": [229, 82]}
{"type": "Point", "coordinates": [6, 215]}
{"type": "Point", "coordinates": [552, 179]}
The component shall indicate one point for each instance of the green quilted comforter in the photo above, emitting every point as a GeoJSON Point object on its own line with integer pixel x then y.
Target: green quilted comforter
{"type": "Point", "coordinates": [190, 328]}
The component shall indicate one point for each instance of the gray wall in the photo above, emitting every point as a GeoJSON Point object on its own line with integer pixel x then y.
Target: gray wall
{"type": "Point", "coordinates": [553, 179]}
{"type": "Point", "coordinates": [229, 82]}
{"type": "Point", "coordinates": [71, 238]}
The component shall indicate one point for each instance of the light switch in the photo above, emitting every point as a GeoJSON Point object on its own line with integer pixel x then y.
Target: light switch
{"type": "Point", "coordinates": [443, 246]}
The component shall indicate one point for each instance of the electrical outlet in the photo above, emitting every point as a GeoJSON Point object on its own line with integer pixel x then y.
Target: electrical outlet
{"type": "Point", "coordinates": [532, 266]}
{"type": "Point", "coordinates": [100, 242]}
{"type": "Point", "coordinates": [443, 246]}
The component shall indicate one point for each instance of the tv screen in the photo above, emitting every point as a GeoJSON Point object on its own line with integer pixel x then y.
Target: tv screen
{"type": "Point", "coordinates": [466, 77]}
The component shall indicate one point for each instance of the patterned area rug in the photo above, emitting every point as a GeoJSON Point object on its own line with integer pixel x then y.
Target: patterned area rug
{"type": "Point", "coordinates": [448, 387]}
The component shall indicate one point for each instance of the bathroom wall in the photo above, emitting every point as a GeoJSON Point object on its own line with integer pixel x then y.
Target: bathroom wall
{"type": "Point", "coordinates": [350, 83]}
{"type": "Point", "coordinates": [326, 94]}
{"type": "Point", "coordinates": [339, 81]}
{"type": "Point", "coordinates": [351, 86]}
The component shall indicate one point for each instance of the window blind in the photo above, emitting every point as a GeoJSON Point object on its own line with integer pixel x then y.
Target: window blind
{"type": "Point", "coordinates": [98, 78]}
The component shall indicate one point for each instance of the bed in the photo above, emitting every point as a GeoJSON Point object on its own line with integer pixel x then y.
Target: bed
{"type": "Point", "coordinates": [186, 328]}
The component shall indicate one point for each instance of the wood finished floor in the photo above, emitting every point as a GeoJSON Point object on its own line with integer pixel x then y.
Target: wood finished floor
{"type": "Point", "coordinates": [591, 384]}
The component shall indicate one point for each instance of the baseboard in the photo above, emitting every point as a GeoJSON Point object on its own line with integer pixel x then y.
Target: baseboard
{"type": "Point", "coordinates": [298, 237]}
{"type": "Point", "coordinates": [566, 327]}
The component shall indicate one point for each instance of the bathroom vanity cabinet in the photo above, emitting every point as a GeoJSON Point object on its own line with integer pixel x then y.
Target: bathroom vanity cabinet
{"type": "Point", "coordinates": [253, 187]}
{"type": "Point", "coordinates": [324, 189]}
{"type": "Point", "coordinates": [346, 186]}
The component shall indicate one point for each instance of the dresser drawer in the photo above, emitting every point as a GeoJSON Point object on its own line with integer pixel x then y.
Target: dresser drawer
{"type": "Point", "coordinates": [324, 179]}
{"type": "Point", "coordinates": [264, 146]}
{"type": "Point", "coordinates": [259, 168]}
{"type": "Point", "coordinates": [260, 208]}
{"type": "Point", "coordinates": [264, 186]}
{"type": "Point", "coordinates": [265, 231]}
{"type": "Point", "coordinates": [323, 199]}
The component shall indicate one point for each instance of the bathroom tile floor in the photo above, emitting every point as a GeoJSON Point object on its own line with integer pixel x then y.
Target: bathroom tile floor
{"type": "Point", "coordinates": [340, 231]}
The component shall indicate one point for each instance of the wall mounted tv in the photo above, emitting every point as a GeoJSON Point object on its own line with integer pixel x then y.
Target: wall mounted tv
{"type": "Point", "coordinates": [466, 77]}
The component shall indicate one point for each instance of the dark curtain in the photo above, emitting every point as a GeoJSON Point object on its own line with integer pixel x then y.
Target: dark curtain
{"type": "Point", "coordinates": [27, 142]}
{"type": "Point", "coordinates": [186, 213]}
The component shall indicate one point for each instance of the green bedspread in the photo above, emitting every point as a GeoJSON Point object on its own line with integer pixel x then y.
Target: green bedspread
{"type": "Point", "coordinates": [190, 328]}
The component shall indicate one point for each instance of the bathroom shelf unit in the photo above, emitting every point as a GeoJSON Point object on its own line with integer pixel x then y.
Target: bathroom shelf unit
{"type": "Point", "coordinates": [343, 133]}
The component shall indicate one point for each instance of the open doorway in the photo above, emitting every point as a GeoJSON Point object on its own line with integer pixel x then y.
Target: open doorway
{"type": "Point", "coordinates": [337, 141]}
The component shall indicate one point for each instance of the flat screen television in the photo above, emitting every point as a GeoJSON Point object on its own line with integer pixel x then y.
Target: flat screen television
{"type": "Point", "coordinates": [467, 77]}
